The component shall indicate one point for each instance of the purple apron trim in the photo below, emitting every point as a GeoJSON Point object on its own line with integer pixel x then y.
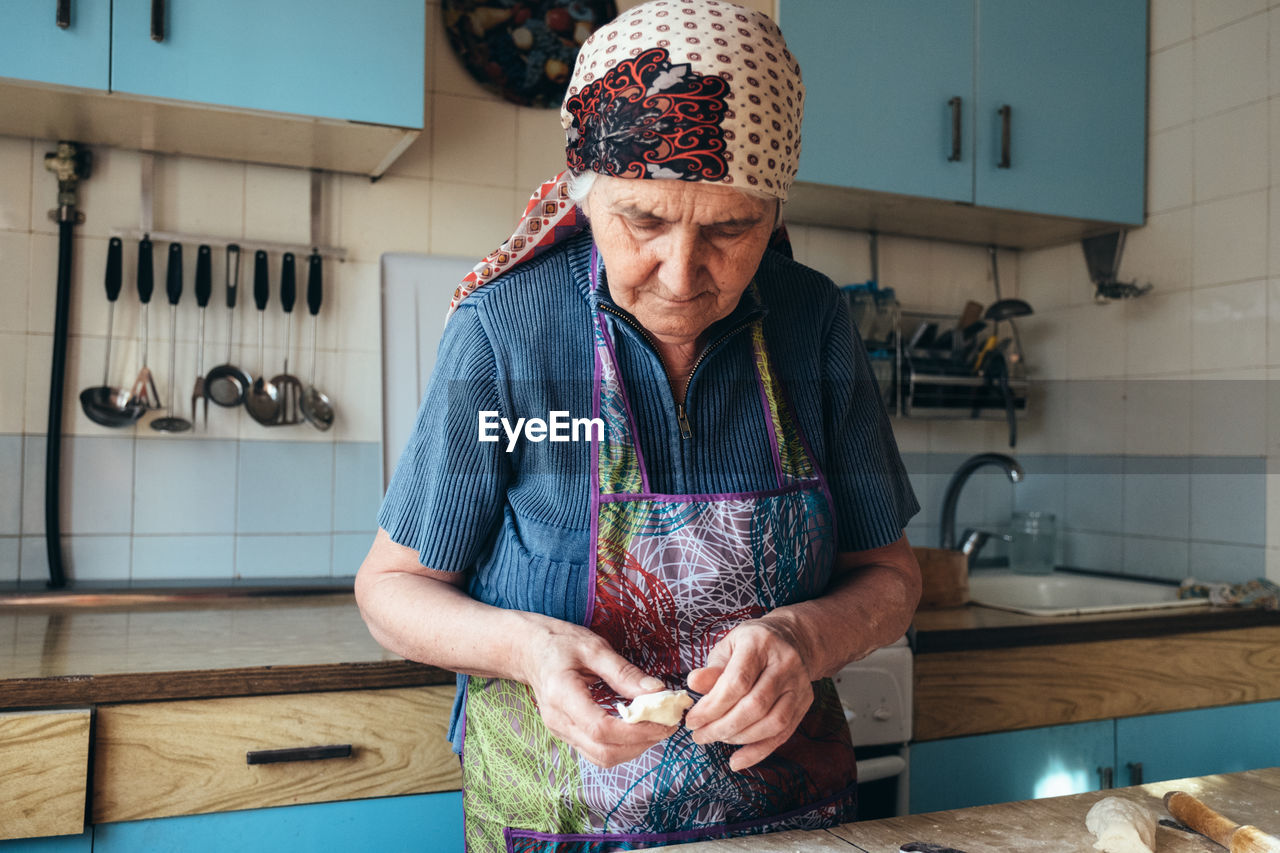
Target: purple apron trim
{"type": "Point", "coordinates": [784, 399]}
{"type": "Point", "coordinates": [707, 833]}
{"type": "Point", "coordinates": [595, 486]}
{"type": "Point", "coordinates": [798, 486]}
{"type": "Point", "coordinates": [626, 398]}
{"type": "Point", "coordinates": [626, 405]}
{"type": "Point", "coordinates": [773, 428]}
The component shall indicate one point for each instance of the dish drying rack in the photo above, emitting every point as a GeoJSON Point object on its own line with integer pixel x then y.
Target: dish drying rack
{"type": "Point", "coordinates": [939, 383]}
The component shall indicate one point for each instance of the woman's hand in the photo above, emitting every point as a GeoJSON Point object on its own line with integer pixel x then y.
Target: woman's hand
{"type": "Point", "coordinates": [560, 666]}
{"type": "Point", "coordinates": [756, 688]}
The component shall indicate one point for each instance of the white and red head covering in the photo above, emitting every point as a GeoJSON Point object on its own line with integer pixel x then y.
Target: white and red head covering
{"type": "Point", "coordinates": [689, 90]}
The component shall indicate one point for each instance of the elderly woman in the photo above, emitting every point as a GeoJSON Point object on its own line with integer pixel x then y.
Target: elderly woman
{"type": "Point", "coordinates": [734, 525]}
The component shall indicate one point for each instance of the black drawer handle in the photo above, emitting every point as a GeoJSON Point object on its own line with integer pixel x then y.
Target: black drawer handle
{"type": "Point", "coordinates": [1006, 120]}
{"type": "Point", "coordinates": [157, 20]}
{"type": "Point", "coordinates": [955, 105]}
{"type": "Point", "coordinates": [297, 753]}
{"type": "Point", "coordinates": [64, 13]}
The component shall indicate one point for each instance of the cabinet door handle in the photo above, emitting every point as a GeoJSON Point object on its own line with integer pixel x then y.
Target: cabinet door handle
{"type": "Point", "coordinates": [955, 104]}
{"type": "Point", "coordinates": [1135, 772]}
{"type": "Point", "coordinates": [1006, 119]}
{"type": "Point", "coordinates": [1106, 778]}
{"type": "Point", "coordinates": [64, 14]}
{"type": "Point", "coordinates": [297, 753]}
{"type": "Point", "coordinates": [157, 20]}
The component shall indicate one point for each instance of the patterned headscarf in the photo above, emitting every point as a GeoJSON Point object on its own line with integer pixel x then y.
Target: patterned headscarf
{"type": "Point", "coordinates": [689, 90]}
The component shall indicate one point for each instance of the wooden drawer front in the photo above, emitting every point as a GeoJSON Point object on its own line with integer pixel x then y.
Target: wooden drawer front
{"type": "Point", "coordinates": [175, 758]}
{"type": "Point", "coordinates": [44, 769]}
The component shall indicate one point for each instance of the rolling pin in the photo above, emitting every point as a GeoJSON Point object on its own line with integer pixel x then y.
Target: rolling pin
{"type": "Point", "coordinates": [1207, 822]}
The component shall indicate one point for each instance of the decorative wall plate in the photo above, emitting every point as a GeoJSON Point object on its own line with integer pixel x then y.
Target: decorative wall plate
{"type": "Point", "coordinates": [523, 50]}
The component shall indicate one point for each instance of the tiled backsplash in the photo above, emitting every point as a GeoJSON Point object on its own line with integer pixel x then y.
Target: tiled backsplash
{"type": "Point", "coordinates": [1166, 517]}
{"type": "Point", "coordinates": [155, 509]}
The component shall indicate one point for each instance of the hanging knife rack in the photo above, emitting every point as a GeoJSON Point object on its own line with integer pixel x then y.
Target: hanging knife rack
{"type": "Point", "coordinates": [247, 245]}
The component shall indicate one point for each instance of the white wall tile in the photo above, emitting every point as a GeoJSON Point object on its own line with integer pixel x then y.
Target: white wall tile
{"type": "Point", "coordinates": [15, 277]}
{"type": "Point", "coordinates": [1231, 67]}
{"type": "Point", "coordinates": [36, 398]}
{"type": "Point", "coordinates": [540, 145]}
{"type": "Point", "coordinates": [1158, 327]}
{"type": "Point", "coordinates": [842, 255]}
{"type": "Point", "coordinates": [1157, 417]}
{"type": "Point", "coordinates": [197, 196]}
{"type": "Point", "coordinates": [1231, 152]}
{"type": "Point", "coordinates": [1273, 231]}
{"type": "Point", "coordinates": [474, 141]}
{"type": "Point", "coordinates": [1096, 341]}
{"type": "Point", "coordinates": [277, 207]}
{"type": "Point", "coordinates": [360, 302]}
{"type": "Point", "coordinates": [1171, 87]}
{"type": "Point", "coordinates": [112, 196]}
{"type": "Point", "coordinates": [1170, 22]}
{"type": "Point", "coordinates": [1230, 242]}
{"type": "Point", "coordinates": [1273, 324]}
{"type": "Point", "coordinates": [13, 382]}
{"type": "Point", "coordinates": [353, 380]}
{"type": "Point", "coordinates": [1229, 326]}
{"type": "Point", "coordinates": [15, 183]}
{"type": "Point", "coordinates": [1169, 169]}
{"type": "Point", "coordinates": [467, 219]}
{"type": "Point", "coordinates": [1274, 16]}
{"type": "Point", "coordinates": [88, 313]}
{"type": "Point", "coordinates": [392, 215]}
{"type": "Point", "coordinates": [1229, 414]}
{"type": "Point", "coordinates": [1212, 14]}
{"type": "Point", "coordinates": [1058, 276]}
{"type": "Point", "coordinates": [1095, 422]}
{"type": "Point", "coordinates": [1160, 252]}
{"type": "Point", "coordinates": [415, 162]}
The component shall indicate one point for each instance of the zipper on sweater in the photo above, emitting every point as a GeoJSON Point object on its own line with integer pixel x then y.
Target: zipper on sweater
{"type": "Point", "coordinates": [682, 417]}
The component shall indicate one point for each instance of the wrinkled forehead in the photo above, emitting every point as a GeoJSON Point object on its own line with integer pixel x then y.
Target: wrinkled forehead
{"type": "Point", "coordinates": [680, 201]}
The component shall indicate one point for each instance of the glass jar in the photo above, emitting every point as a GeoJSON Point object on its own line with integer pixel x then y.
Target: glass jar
{"type": "Point", "coordinates": [1033, 543]}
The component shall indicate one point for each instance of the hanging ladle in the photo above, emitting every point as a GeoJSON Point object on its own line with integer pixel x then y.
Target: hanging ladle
{"type": "Point", "coordinates": [144, 391]}
{"type": "Point", "coordinates": [263, 401]}
{"type": "Point", "coordinates": [1005, 309]}
{"type": "Point", "coordinates": [173, 287]}
{"type": "Point", "coordinates": [104, 404]}
{"type": "Point", "coordinates": [226, 385]}
{"type": "Point", "coordinates": [316, 407]}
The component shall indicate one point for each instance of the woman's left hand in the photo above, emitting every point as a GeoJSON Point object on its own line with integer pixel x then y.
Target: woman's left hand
{"type": "Point", "coordinates": [756, 688]}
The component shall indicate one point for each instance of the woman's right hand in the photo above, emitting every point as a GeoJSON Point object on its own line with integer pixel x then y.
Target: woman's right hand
{"type": "Point", "coordinates": [560, 666]}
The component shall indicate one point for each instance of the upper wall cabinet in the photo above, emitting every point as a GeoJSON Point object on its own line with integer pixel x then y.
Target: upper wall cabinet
{"type": "Point", "coordinates": [1018, 122]}
{"type": "Point", "coordinates": [320, 83]}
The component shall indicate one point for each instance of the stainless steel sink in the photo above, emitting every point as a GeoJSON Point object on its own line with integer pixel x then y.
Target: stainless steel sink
{"type": "Point", "coordinates": [1065, 593]}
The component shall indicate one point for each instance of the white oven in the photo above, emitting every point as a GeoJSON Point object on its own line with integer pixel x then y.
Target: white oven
{"type": "Point", "coordinates": [876, 694]}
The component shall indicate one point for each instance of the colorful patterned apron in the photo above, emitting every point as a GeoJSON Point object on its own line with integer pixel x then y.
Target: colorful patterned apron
{"type": "Point", "coordinates": [670, 575]}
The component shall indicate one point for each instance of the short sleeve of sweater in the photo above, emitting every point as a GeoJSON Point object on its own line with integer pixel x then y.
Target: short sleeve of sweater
{"type": "Point", "coordinates": [445, 497]}
{"type": "Point", "coordinates": [864, 470]}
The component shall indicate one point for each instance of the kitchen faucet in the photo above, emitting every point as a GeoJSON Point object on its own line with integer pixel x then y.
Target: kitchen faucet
{"type": "Point", "coordinates": [959, 478]}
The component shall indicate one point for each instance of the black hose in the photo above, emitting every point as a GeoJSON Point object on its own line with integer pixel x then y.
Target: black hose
{"type": "Point", "coordinates": [53, 447]}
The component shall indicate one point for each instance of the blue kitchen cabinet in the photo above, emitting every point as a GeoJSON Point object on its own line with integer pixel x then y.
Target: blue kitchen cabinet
{"type": "Point", "coordinates": [994, 768]}
{"type": "Point", "coordinates": [82, 843]}
{"type": "Point", "coordinates": [883, 77]}
{"type": "Point", "coordinates": [388, 824]}
{"type": "Point", "coordinates": [1031, 763]}
{"type": "Point", "coordinates": [325, 58]}
{"type": "Point", "coordinates": [1073, 77]}
{"type": "Point", "coordinates": [880, 79]}
{"type": "Point", "coordinates": [1199, 742]}
{"type": "Point", "coordinates": [33, 47]}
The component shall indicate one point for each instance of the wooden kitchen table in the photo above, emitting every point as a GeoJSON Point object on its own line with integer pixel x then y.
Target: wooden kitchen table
{"type": "Point", "coordinates": [1053, 825]}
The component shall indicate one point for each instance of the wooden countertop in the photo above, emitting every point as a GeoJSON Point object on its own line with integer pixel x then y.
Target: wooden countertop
{"type": "Point", "coordinates": [66, 655]}
{"type": "Point", "coordinates": [1052, 825]}
{"type": "Point", "coordinates": [975, 627]}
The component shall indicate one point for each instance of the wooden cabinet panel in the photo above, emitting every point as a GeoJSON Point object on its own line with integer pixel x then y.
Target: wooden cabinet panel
{"type": "Point", "coordinates": [44, 768]}
{"type": "Point", "coordinates": [176, 758]}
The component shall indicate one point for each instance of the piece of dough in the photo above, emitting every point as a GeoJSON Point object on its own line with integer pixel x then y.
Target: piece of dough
{"type": "Point", "coordinates": [1122, 826]}
{"type": "Point", "coordinates": [665, 707]}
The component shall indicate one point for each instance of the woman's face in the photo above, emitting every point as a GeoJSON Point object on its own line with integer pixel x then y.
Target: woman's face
{"type": "Point", "coordinates": [679, 253]}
